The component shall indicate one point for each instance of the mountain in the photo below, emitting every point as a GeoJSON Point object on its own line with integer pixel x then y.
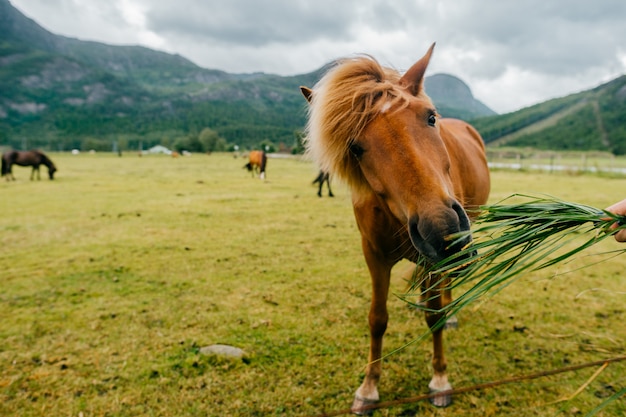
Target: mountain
{"type": "Point", "coordinates": [61, 93]}
{"type": "Point", "coordinates": [589, 120]}
{"type": "Point", "coordinates": [454, 98]}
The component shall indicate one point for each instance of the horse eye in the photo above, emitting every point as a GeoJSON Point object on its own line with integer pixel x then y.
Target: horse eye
{"type": "Point", "coordinates": [432, 120]}
{"type": "Point", "coordinates": [356, 150]}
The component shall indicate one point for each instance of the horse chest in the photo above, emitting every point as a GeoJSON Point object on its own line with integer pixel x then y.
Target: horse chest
{"type": "Point", "coordinates": [385, 234]}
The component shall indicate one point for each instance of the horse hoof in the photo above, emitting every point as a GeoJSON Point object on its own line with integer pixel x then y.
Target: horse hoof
{"type": "Point", "coordinates": [361, 406]}
{"type": "Point", "coordinates": [451, 323]}
{"type": "Point", "coordinates": [440, 400]}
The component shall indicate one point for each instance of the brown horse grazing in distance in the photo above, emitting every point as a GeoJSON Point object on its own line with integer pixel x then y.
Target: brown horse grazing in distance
{"type": "Point", "coordinates": [258, 162]}
{"type": "Point", "coordinates": [323, 177]}
{"type": "Point", "coordinates": [32, 158]}
{"type": "Point", "coordinates": [412, 175]}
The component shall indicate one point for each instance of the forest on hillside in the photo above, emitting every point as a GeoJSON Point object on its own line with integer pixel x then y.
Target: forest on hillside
{"type": "Point", "coordinates": [593, 120]}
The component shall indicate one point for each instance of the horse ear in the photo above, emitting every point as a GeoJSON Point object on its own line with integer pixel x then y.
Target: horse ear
{"type": "Point", "coordinates": [413, 79]}
{"type": "Point", "coordinates": [307, 93]}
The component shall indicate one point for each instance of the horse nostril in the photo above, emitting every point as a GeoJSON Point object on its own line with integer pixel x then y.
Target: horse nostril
{"type": "Point", "coordinates": [464, 222]}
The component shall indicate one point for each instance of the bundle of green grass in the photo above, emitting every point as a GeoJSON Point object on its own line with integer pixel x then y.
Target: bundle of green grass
{"type": "Point", "coordinates": [511, 239]}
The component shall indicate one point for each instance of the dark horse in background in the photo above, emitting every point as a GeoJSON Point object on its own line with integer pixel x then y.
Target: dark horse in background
{"type": "Point", "coordinates": [32, 158]}
{"type": "Point", "coordinates": [412, 174]}
{"type": "Point", "coordinates": [321, 178]}
{"type": "Point", "coordinates": [258, 162]}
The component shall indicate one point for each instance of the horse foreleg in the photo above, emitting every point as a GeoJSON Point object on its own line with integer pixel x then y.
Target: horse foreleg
{"type": "Point", "coordinates": [439, 382]}
{"type": "Point", "coordinates": [446, 297]}
{"type": "Point", "coordinates": [367, 393]}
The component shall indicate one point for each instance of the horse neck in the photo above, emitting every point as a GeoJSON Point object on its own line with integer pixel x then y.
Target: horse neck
{"type": "Point", "coordinates": [46, 161]}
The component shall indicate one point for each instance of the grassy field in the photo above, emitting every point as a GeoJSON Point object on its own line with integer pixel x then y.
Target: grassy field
{"type": "Point", "coordinates": [116, 273]}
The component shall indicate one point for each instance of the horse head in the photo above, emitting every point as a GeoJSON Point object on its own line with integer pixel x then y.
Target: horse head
{"type": "Point", "coordinates": [381, 133]}
{"type": "Point", "coordinates": [47, 162]}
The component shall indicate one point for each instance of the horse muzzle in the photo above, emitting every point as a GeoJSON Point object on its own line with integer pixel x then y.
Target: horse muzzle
{"type": "Point", "coordinates": [435, 235]}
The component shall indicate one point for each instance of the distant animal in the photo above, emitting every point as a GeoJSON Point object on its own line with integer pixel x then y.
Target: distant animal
{"type": "Point", "coordinates": [412, 175]}
{"type": "Point", "coordinates": [32, 158]}
{"type": "Point", "coordinates": [321, 178]}
{"type": "Point", "coordinates": [257, 164]}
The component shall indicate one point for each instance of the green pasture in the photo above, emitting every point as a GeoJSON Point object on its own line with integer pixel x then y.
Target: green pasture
{"type": "Point", "coordinates": [116, 273]}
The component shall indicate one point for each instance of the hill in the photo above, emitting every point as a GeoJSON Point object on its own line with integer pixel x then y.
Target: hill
{"type": "Point", "coordinates": [62, 93]}
{"type": "Point", "coordinates": [590, 120]}
{"type": "Point", "coordinates": [454, 98]}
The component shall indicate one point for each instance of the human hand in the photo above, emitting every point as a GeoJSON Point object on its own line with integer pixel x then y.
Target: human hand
{"type": "Point", "coordinates": [618, 208]}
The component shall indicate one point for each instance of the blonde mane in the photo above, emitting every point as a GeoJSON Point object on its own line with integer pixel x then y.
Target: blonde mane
{"type": "Point", "coordinates": [344, 101]}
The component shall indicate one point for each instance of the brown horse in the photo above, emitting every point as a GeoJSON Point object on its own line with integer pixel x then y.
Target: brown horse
{"type": "Point", "coordinates": [323, 177]}
{"type": "Point", "coordinates": [32, 158]}
{"type": "Point", "coordinates": [412, 175]}
{"type": "Point", "coordinates": [258, 162]}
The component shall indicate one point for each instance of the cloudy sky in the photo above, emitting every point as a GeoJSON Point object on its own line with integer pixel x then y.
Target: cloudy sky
{"type": "Point", "coordinates": [511, 53]}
